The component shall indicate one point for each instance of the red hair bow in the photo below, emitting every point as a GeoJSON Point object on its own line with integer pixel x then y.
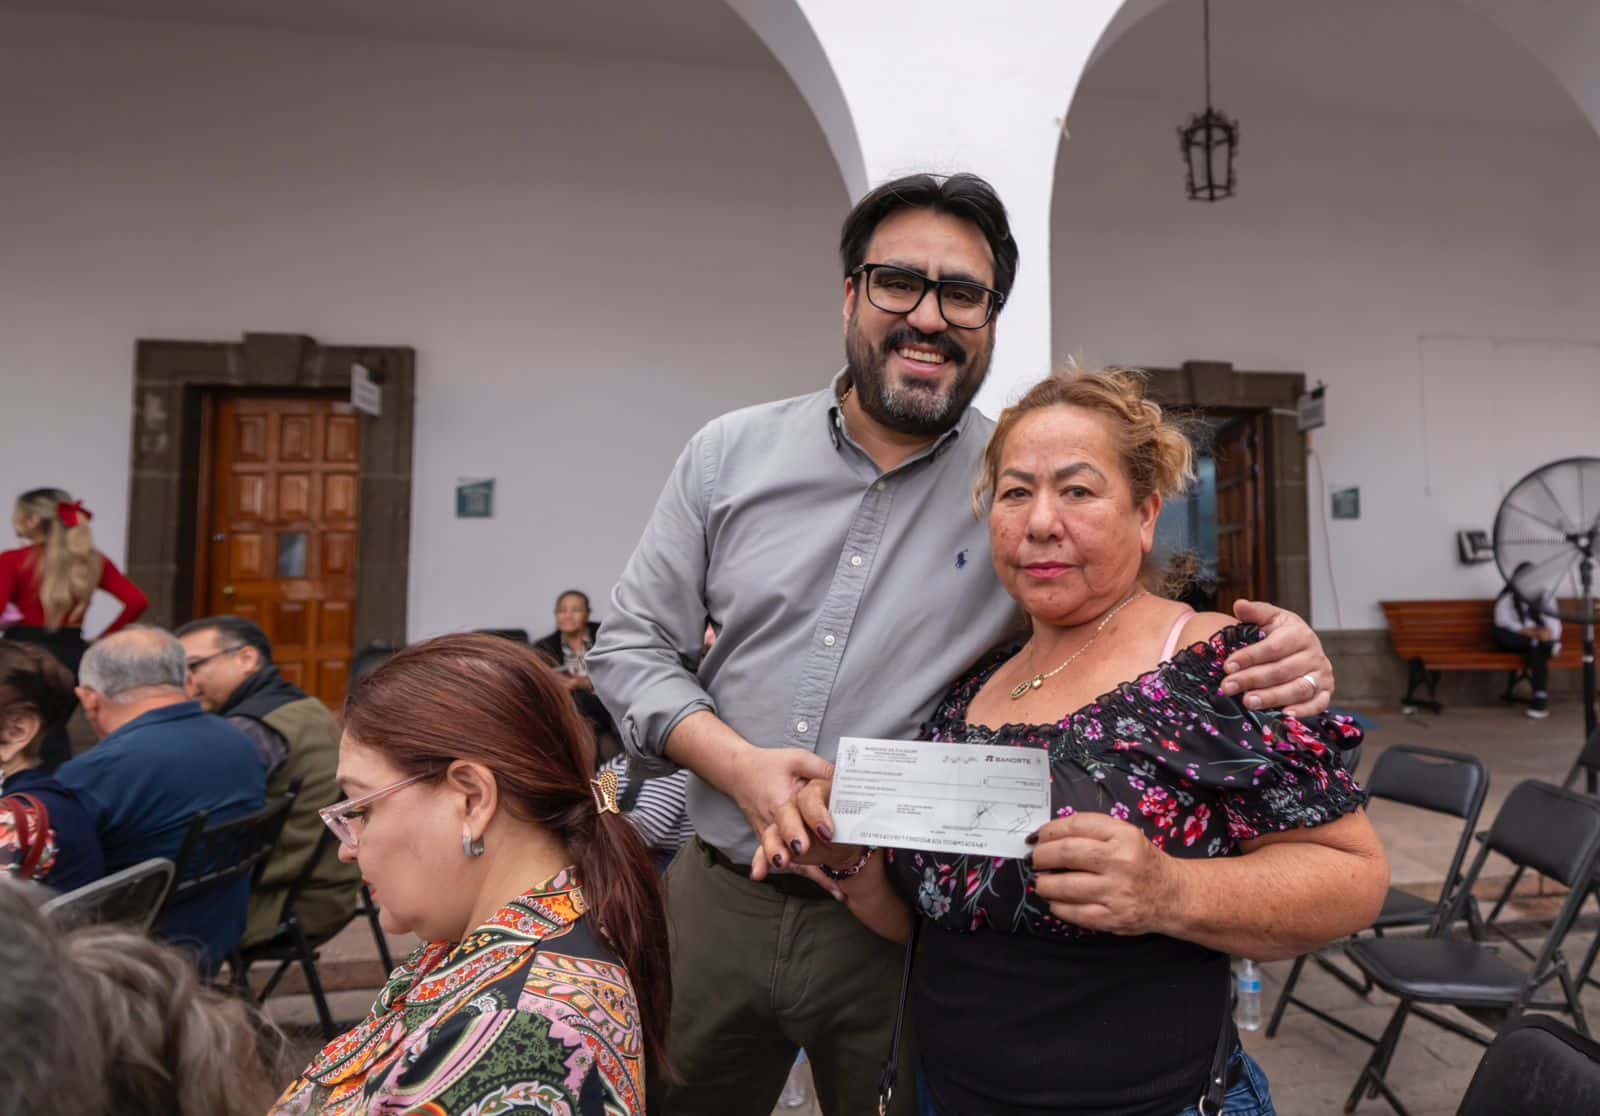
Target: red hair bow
{"type": "Point", "coordinates": [72, 514]}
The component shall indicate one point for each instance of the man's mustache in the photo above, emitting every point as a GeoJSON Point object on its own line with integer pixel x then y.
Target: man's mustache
{"type": "Point", "coordinates": [941, 343]}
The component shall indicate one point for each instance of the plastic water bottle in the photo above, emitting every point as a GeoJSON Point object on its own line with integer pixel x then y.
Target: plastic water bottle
{"type": "Point", "coordinates": [795, 1094]}
{"type": "Point", "coordinates": [1247, 1007]}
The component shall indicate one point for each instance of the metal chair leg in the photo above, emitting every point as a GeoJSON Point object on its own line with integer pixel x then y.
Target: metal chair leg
{"type": "Point", "coordinates": [1377, 1065]}
{"type": "Point", "coordinates": [308, 965]}
{"type": "Point", "coordinates": [1283, 997]}
{"type": "Point", "coordinates": [370, 909]}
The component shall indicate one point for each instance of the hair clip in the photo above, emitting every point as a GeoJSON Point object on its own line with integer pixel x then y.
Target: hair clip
{"type": "Point", "coordinates": [604, 789]}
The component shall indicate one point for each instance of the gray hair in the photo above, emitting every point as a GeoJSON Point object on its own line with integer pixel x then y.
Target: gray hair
{"type": "Point", "coordinates": [133, 659]}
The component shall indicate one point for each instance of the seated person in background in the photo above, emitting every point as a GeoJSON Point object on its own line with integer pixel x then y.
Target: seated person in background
{"type": "Point", "coordinates": [45, 832]}
{"type": "Point", "coordinates": [162, 759]}
{"type": "Point", "coordinates": [565, 649]}
{"type": "Point", "coordinates": [231, 674]}
{"type": "Point", "coordinates": [101, 1021]}
{"type": "Point", "coordinates": [476, 818]}
{"type": "Point", "coordinates": [1532, 630]}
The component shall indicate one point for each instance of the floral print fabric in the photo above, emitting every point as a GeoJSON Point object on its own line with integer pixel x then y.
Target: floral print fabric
{"type": "Point", "coordinates": [1167, 752]}
{"type": "Point", "coordinates": [527, 1014]}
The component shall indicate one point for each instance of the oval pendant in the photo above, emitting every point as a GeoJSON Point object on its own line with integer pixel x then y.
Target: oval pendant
{"type": "Point", "coordinates": [1022, 688]}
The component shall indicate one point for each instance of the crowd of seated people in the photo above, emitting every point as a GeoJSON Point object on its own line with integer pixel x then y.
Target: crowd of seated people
{"type": "Point", "coordinates": [205, 724]}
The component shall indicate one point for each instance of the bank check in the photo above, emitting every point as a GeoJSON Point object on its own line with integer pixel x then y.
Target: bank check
{"type": "Point", "coordinates": [958, 798]}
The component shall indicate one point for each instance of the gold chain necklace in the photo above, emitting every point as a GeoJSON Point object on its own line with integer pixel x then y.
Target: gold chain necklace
{"type": "Point", "coordinates": [1021, 689]}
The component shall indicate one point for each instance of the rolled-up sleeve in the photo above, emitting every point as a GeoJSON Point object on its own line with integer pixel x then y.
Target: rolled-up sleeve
{"type": "Point", "coordinates": [642, 661]}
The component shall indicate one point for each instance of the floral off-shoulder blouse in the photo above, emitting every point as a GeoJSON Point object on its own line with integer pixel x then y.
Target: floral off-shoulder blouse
{"type": "Point", "coordinates": [528, 1013]}
{"type": "Point", "coordinates": [1167, 752]}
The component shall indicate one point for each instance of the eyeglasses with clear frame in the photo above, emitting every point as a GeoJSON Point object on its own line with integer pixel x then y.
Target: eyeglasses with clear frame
{"type": "Point", "coordinates": [344, 817]}
{"type": "Point", "coordinates": [897, 290]}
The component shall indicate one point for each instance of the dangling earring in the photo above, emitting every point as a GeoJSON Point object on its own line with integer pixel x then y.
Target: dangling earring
{"type": "Point", "coordinates": [471, 847]}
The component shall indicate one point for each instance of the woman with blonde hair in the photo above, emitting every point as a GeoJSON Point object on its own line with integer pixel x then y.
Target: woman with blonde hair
{"type": "Point", "coordinates": [1186, 824]}
{"type": "Point", "coordinates": [101, 1021]}
{"type": "Point", "coordinates": [50, 581]}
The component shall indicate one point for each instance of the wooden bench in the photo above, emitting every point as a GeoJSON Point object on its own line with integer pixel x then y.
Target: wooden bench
{"type": "Point", "coordinates": [1436, 636]}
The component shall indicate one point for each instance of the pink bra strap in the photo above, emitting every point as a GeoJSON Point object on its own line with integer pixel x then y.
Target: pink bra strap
{"type": "Point", "coordinates": [1176, 633]}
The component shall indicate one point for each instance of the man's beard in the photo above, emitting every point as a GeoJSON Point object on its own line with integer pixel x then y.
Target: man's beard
{"type": "Point", "coordinates": [915, 408]}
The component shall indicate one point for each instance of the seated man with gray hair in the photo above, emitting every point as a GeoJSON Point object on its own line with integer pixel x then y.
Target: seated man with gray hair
{"type": "Point", "coordinates": [161, 760]}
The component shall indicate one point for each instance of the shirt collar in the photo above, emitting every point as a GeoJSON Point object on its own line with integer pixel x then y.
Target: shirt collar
{"type": "Point", "coordinates": [174, 712]}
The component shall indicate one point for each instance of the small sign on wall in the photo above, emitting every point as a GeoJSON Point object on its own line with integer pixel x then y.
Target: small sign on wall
{"type": "Point", "coordinates": [365, 395]}
{"type": "Point", "coordinates": [475, 498]}
{"type": "Point", "coordinates": [1347, 503]}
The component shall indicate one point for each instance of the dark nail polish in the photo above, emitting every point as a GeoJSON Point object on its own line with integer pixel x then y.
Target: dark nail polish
{"type": "Point", "coordinates": [777, 860]}
{"type": "Point", "coordinates": [825, 833]}
{"type": "Point", "coordinates": [795, 845]}
{"type": "Point", "coordinates": [1031, 839]}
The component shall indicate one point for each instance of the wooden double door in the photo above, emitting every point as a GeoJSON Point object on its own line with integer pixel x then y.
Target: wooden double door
{"type": "Point", "coordinates": [279, 517]}
{"type": "Point", "coordinates": [1244, 534]}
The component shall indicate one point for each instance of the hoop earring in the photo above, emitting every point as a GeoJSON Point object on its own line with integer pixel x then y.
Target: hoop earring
{"type": "Point", "coordinates": [471, 847]}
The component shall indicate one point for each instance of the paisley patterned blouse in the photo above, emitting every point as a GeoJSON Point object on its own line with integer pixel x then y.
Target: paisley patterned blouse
{"type": "Point", "coordinates": [1195, 770]}
{"type": "Point", "coordinates": [529, 1013]}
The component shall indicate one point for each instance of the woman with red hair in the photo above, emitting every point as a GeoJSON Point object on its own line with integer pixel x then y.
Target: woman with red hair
{"type": "Point", "coordinates": [478, 826]}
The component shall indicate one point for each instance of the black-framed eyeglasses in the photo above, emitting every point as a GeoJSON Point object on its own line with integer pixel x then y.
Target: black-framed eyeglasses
{"type": "Point", "coordinates": [196, 664]}
{"type": "Point", "coordinates": [896, 290]}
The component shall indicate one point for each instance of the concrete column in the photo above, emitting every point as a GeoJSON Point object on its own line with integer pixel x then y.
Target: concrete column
{"type": "Point", "coordinates": [946, 86]}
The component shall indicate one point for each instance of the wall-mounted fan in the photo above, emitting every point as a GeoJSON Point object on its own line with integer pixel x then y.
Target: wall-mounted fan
{"type": "Point", "coordinates": [1548, 528]}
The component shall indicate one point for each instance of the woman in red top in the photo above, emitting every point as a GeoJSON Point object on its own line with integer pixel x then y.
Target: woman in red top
{"type": "Point", "coordinates": [51, 581]}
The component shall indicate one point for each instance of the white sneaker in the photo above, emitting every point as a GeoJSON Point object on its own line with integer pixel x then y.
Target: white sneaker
{"type": "Point", "coordinates": [1536, 714]}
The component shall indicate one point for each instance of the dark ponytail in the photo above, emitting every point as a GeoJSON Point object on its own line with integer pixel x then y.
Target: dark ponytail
{"type": "Point", "coordinates": [491, 701]}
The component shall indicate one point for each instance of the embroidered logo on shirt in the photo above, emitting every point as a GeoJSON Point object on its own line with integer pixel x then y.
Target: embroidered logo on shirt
{"type": "Point", "coordinates": [961, 559]}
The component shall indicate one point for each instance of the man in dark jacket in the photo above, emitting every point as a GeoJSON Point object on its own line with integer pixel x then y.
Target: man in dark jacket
{"type": "Point", "coordinates": [231, 673]}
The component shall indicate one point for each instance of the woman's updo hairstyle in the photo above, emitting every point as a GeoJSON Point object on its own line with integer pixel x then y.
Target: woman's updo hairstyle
{"type": "Point", "coordinates": [1156, 454]}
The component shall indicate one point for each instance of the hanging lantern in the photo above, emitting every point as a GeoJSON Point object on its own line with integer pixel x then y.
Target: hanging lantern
{"type": "Point", "coordinates": [1209, 142]}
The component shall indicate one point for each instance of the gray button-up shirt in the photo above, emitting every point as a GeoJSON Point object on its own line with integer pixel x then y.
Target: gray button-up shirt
{"type": "Point", "coordinates": [847, 599]}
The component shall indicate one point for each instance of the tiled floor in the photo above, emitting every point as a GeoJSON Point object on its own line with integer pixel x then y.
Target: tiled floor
{"type": "Point", "coordinates": [1311, 1066]}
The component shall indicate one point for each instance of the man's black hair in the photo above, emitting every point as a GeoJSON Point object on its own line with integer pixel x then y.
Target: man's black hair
{"type": "Point", "coordinates": [234, 630]}
{"type": "Point", "coordinates": [960, 195]}
{"type": "Point", "coordinates": [580, 594]}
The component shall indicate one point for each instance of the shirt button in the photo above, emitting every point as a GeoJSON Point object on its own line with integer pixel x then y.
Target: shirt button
{"type": "Point", "coordinates": [828, 641]}
{"type": "Point", "coordinates": [801, 726]}
{"type": "Point", "coordinates": [855, 559]}
{"type": "Point", "coordinates": [882, 485]}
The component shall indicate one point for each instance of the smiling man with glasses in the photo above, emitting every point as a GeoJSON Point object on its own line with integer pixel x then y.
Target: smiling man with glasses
{"type": "Point", "coordinates": [830, 540]}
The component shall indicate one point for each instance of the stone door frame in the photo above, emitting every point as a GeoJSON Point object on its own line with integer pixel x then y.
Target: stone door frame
{"type": "Point", "coordinates": [171, 381]}
{"type": "Point", "coordinates": [1216, 385]}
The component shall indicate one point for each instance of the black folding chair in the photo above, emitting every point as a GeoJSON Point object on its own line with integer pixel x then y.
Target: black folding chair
{"type": "Point", "coordinates": [290, 944]}
{"type": "Point", "coordinates": [1542, 827]}
{"type": "Point", "coordinates": [1587, 765]}
{"type": "Point", "coordinates": [1538, 1066]}
{"type": "Point", "coordinates": [131, 897]}
{"type": "Point", "coordinates": [214, 856]}
{"type": "Point", "coordinates": [1450, 783]}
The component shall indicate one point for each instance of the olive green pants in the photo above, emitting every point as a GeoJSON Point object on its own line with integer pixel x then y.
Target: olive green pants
{"type": "Point", "coordinates": [759, 972]}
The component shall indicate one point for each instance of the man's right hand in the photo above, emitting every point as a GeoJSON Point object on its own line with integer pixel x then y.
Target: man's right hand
{"type": "Point", "coordinates": [762, 780]}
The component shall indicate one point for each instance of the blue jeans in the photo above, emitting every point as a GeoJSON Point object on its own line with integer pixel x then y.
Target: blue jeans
{"type": "Point", "coordinates": [1248, 1097]}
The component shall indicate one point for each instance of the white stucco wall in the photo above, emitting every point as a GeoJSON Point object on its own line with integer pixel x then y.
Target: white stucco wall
{"type": "Point", "coordinates": [590, 257]}
{"type": "Point", "coordinates": [1441, 275]}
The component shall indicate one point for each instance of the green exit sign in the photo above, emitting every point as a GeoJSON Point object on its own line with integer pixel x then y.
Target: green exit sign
{"type": "Point", "coordinates": [475, 499]}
